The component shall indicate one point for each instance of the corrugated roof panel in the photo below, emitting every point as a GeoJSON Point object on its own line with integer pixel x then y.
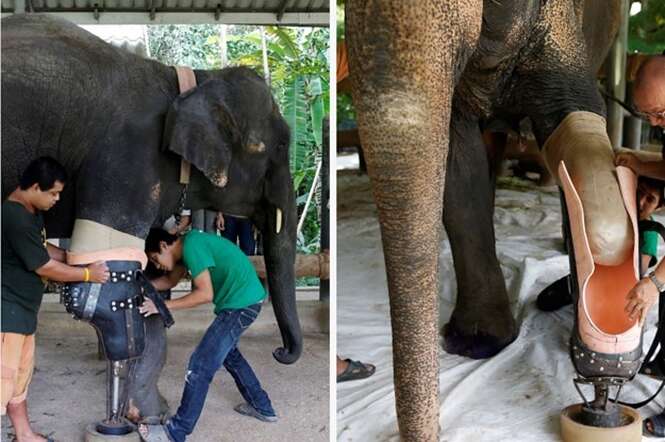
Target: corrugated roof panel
{"type": "Point", "coordinates": [141, 5]}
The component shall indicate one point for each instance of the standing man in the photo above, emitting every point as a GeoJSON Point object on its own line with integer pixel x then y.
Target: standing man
{"type": "Point", "coordinates": [649, 99]}
{"type": "Point", "coordinates": [27, 262]}
{"type": "Point", "coordinates": [223, 275]}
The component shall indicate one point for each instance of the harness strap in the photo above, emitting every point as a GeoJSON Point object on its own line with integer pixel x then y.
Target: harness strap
{"type": "Point", "coordinates": [186, 81]}
{"type": "Point", "coordinates": [151, 293]}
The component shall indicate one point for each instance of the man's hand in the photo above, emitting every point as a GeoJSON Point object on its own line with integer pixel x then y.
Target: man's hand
{"type": "Point", "coordinates": [640, 299]}
{"type": "Point", "coordinates": [148, 308]}
{"type": "Point", "coordinates": [219, 221]}
{"type": "Point", "coordinates": [628, 160]}
{"type": "Point", "coordinates": [99, 272]}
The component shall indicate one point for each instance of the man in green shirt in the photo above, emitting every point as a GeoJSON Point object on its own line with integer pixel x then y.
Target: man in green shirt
{"type": "Point", "coordinates": [223, 275]}
{"type": "Point", "coordinates": [27, 262]}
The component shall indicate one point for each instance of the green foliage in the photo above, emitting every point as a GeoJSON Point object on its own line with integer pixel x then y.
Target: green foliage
{"type": "Point", "coordinates": [198, 45]}
{"type": "Point", "coordinates": [298, 65]}
{"type": "Point", "coordinates": [646, 30]}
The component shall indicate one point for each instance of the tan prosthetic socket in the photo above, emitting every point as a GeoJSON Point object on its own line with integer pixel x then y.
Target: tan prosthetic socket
{"type": "Point", "coordinates": [93, 241]}
{"type": "Point", "coordinates": [603, 324]}
{"type": "Point", "coordinates": [581, 142]}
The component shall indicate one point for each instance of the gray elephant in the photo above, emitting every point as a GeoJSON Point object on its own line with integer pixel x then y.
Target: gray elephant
{"type": "Point", "coordinates": [425, 80]}
{"type": "Point", "coordinates": [119, 125]}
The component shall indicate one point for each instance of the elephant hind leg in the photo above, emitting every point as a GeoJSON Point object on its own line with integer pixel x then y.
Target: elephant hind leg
{"type": "Point", "coordinates": [482, 323]}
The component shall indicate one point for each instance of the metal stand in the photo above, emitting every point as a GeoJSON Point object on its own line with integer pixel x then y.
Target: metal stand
{"type": "Point", "coordinates": [115, 424]}
{"type": "Point", "coordinates": [601, 412]}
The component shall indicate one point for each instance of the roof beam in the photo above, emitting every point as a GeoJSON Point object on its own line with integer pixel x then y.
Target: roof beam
{"type": "Point", "coordinates": [281, 9]}
{"type": "Point", "coordinates": [315, 19]}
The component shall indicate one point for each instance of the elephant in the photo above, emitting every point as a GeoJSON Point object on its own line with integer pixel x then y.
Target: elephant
{"type": "Point", "coordinates": [121, 128]}
{"type": "Point", "coordinates": [425, 80]}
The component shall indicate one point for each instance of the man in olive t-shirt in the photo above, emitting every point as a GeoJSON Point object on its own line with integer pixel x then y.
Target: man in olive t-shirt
{"type": "Point", "coordinates": [223, 275]}
{"type": "Point", "coordinates": [27, 262]}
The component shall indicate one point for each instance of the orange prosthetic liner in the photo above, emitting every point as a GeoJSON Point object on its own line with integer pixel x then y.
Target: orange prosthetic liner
{"type": "Point", "coordinates": [605, 345]}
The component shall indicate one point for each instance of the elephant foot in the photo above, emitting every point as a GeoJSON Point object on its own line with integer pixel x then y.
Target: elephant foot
{"type": "Point", "coordinates": [479, 339]}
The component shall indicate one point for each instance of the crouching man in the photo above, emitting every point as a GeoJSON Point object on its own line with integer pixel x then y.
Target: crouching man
{"type": "Point", "coordinates": [223, 275]}
{"type": "Point", "coordinates": [27, 262]}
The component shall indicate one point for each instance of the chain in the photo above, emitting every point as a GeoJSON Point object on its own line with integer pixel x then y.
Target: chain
{"type": "Point", "coordinates": [181, 201]}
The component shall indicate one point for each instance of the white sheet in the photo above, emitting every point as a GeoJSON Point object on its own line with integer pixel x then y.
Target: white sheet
{"type": "Point", "coordinates": [514, 396]}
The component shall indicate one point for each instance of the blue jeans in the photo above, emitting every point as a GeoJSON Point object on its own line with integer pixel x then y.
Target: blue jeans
{"type": "Point", "coordinates": [240, 230]}
{"type": "Point", "coordinates": [218, 346]}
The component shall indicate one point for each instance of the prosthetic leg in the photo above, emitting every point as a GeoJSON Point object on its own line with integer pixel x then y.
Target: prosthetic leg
{"type": "Point", "coordinates": [605, 345]}
{"type": "Point", "coordinates": [112, 310]}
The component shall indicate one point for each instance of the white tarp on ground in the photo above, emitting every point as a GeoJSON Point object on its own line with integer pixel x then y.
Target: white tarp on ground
{"type": "Point", "coordinates": [515, 396]}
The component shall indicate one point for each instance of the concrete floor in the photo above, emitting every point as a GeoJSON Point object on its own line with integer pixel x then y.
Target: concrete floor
{"type": "Point", "coordinates": [68, 387]}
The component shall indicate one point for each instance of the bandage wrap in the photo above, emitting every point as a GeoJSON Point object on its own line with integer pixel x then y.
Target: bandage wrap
{"type": "Point", "coordinates": [112, 308]}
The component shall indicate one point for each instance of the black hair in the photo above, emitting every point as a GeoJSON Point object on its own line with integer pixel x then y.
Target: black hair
{"type": "Point", "coordinates": [155, 237]}
{"type": "Point", "coordinates": [44, 171]}
{"type": "Point", "coordinates": [654, 184]}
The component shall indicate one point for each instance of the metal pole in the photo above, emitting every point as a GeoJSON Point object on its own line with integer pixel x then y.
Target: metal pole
{"type": "Point", "coordinates": [223, 50]}
{"type": "Point", "coordinates": [264, 49]}
{"type": "Point", "coordinates": [616, 79]}
{"type": "Point", "coordinates": [633, 129]}
{"type": "Point", "coordinates": [324, 284]}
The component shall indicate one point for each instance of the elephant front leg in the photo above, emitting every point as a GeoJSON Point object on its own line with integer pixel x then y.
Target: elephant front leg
{"type": "Point", "coordinates": [481, 324]}
{"type": "Point", "coordinates": [404, 62]}
{"type": "Point", "coordinates": [145, 400]}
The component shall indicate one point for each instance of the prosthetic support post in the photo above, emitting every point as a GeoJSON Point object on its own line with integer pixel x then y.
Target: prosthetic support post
{"type": "Point", "coordinates": [112, 308]}
{"type": "Point", "coordinates": [600, 214]}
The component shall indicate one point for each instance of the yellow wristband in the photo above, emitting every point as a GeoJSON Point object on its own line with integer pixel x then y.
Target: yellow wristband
{"type": "Point", "coordinates": [86, 275]}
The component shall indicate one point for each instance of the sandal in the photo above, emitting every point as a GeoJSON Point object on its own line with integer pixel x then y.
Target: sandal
{"type": "Point", "coordinates": [657, 425]}
{"type": "Point", "coordinates": [154, 433]}
{"type": "Point", "coordinates": [247, 410]}
{"type": "Point", "coordinates": [356, 370]}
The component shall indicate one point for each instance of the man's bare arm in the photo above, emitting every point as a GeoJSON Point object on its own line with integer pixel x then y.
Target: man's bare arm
{"type": "Point", "coordinates": [56, 253]}
{"type": "Point", "coordinates": [171, 279]}
{"type": "Point", "coordinates": [202, 293]}
{"type": "Point", "coordinates": [57, 271]}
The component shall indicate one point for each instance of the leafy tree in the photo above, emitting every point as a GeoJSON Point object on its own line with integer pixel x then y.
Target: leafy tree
{"type": "Point", "coordinates": [646, 29]}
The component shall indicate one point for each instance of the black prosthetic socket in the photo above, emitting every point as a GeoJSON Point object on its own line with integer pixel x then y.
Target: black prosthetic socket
{"type": "Point", "coordinates": [112, 309]}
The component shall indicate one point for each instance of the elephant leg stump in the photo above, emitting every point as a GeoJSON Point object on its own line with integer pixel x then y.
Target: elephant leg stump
{"type": "Point", "coordinates": [112, 310]}
{"type": "Point", "coordinates": [606, 345]}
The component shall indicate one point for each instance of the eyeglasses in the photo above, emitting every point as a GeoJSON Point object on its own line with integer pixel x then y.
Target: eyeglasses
{"type": "Point", "coordinates": [647, 115]}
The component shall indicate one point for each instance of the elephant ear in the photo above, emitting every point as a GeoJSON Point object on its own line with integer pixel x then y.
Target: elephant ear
{"type": "Point", "coordinates": [201, 129]}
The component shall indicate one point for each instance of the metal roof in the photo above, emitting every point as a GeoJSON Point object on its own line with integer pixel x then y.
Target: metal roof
{"type": "Point", "coordinates": [258, 12]}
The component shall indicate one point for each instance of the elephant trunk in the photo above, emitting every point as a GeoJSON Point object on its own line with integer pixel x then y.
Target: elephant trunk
{"type": "Point", "coordinates": [279, 252]}
{"type": "Point", "coordinates": [581, 142]}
